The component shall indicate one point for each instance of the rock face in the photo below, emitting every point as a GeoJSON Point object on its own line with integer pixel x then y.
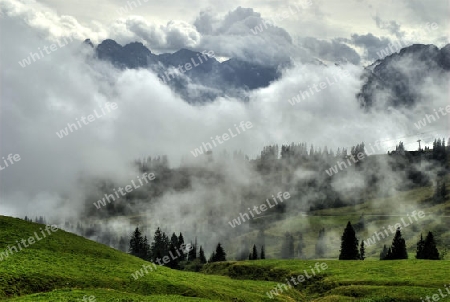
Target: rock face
{"type": "Point", "coordinates": [215, 78]}
{"type": "Point", "coordinates": [397, 76]}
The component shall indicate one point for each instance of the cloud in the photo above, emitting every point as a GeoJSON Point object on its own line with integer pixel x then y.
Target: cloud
{"type": "Point", "coordinates": [55, 176]}
{"type": "Point", "coordinates": [370, 44]}
{"type": "Point", "coordinates": [333, 51]}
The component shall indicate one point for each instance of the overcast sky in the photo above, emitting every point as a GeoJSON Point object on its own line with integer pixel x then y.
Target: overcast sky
{"type": "Point", "coordinates": [40, 99]}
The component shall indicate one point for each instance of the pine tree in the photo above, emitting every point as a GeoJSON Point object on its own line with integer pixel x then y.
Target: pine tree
{"type": "Point", "coordinates": [174, 261]}
{"type": "Point", "coordinates": [174, 240]}
{"type": "Point", "coordinates": [201, 255]}
{"type": "Point", "coordinates": [349, 244]}
{"type": "Point", "coordinates": [362, 251]}
{"type": "Point", "coordinates": [192, 255]}
{"type": "Point", "coordinates": [180, 244]}
{"type": "Point", "coordinates": [138, 245]}
{"type": "Point", "coordinates": [219, 254]}
{"type": "Point", "coordinates": [254, 253]}
{"type": "Point", "coordinates": [429, 249]}
{"type": "Point", "coordinates": [398, 247]}
{"type": "Point", "coordinates": [419, 249]}
{"type": "Point", "coordinates": [159, 246]}
{"type": "Point", "coordinates": [263, 253]}
{"type": "Point", "coordinates": [145, 251]}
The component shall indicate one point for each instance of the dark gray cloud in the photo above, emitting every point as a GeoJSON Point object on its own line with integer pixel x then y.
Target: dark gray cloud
{"type": "Point", "coordinates": [370, 44]}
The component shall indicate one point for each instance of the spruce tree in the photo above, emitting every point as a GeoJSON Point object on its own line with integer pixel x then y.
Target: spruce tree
{"type": "Point", "coordinates": [180, 244]}
{"type": "Point", "coordinates": [159, 246]}
{"type": "Point", "coordinates": [201, 255]}
{"type": "Point", "coordinates": [254, 253]}
{"type": "Point", "coordinates": [220, 254]}
{"type": "Point", "coordinates": [145, 252]}
{"type": "Point", "coordinates": [174, 261]}
{"type": "Point", "coordinates": [139, 245]}
{"type": "Point", "coordinates": [398, 247]}
{"type": "Point", "coordinates": [192, 254]}
{"type": "Point", "coordinates": [362, 251]}
{"type": "Point", "coordinates": [349, 244]}
{"type": "Point", "coordinates": [429, 249]}
{"type": "Point", "coordinates": [263, 253]}
{"type": "Point", "coordinates": [174, 240]}
{"type": "Point", "coordinates": [136, 241]}
{"type": "Point", "coordinates": [419, 249]}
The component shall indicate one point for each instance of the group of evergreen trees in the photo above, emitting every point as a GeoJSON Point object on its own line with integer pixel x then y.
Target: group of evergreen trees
{"type": "Point", "coordinates": [440, 151]}
{"type": "Point", "coordinates": [426, 249]}
{"type": "Point", "coordinates": [288, 249]}
{"type": "Point", "coordinates": [174, 248]}
{"type": "Point", "coordinates": [440, 193]}
{"type": "Point", "coordinates": [397, 251]}
{"type": "Point", "coordinates": [254, 254]}
{"type": "Point", "coordinates": [39, 219]}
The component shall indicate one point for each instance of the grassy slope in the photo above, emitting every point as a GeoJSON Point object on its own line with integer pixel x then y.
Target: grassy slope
{"type": "Point", "coordinates": [334, 221]}
{"type": "Point", "coordinates": [65, 267]}
{"type": "Point", "coordinates": [405, 280]}
{"type": "Point", "coordinates": [75, 266]}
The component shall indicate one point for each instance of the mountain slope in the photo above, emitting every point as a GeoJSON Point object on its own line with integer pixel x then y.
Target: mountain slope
{"type": "Point", "coordinates": [399, 74]}
{"type": "Point", "coordinates": [66, 262]}
{"type": "Point", "coordinates": [217, 79]}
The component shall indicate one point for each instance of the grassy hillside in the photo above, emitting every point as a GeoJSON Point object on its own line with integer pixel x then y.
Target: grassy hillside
{"type": "Point", "coordinates": [67, 267]}
{"type": "Point", "coordinates": [437, 220]}
{"type": "Point", "coordinates": [401, 280]}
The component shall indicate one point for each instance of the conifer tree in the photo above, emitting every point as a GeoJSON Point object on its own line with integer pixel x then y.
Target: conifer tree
{"type": "Point", "coordinates": [192, 255]}
{"type": "Point", "coordinates": [349, 244]}
{"type": "Point", "coordinates": [174, 261]}
{"type": "Point", "coordinates": [254, 253]}
{"type": "Point", "coordinates": [201, 255]}
{"type": "Point", "coordinates": [180, 244]}
{"type": "Point", "coordinates": [398, 247]}
{"type": "Point", "coordinates": [362, 251]}
{"type": "Point", "coordinates": [429, 249]}
{"type": "Point", "coordinates": [419, 249]}
{"type": "Point", "coordinates": [263, 253]}
{"type": "Point", "coordinates": [138, 245]}
{"type": "Point", "coordinates": [159, 246]}
{"type": "Point", "coordinates": [219, 254]}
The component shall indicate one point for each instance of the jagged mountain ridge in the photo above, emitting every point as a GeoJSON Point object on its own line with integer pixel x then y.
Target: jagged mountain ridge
{"type": "Point", "coordinates": [234, 76]}
{"type": "Point", "coordinates": [230, 77]}
{"type": "Point", "coordinates": [389, 75]}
